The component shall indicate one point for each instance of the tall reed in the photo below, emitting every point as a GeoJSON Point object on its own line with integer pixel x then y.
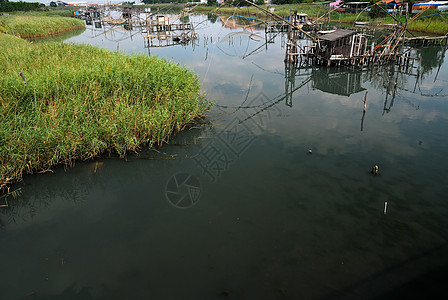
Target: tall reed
{"type": "Point", "coordinates": [77, 101]}
{"type": "Point", "coordinates": [32, 26]}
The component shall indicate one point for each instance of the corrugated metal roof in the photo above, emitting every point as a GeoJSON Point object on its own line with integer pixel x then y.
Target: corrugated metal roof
{"type": "Point", "coordinates": [338, 34]}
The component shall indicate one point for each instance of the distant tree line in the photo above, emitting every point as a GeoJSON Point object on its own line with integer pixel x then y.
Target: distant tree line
{"type": "Point", "coordinates": [168, 1]}
{"type": "Point", "coordinates": [6, 6]}
{"type": "Point", "coordinates": [280, 2]}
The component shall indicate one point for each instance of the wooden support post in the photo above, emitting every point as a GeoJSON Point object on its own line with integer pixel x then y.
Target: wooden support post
{"type": "Point", "coordinates": [365, 102]}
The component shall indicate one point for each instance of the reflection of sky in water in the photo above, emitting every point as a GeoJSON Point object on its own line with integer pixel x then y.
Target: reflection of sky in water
{"type": "Point", "coordinates": [224, 65]}
{"type": "Point", "coordinates": [219, 58]}
{"type": "Point", "coordinates": [235, 67]}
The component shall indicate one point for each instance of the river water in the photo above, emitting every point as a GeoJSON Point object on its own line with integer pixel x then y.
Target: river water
{"type": "Point", "coordinates": [270, 198]}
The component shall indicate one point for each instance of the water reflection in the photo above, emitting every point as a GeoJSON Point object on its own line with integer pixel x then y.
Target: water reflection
{"type": "Point", "coordinates": [273, 219]}
{"type": "Point", "coordinates": [234, 22]}
{"type": "Point", "coordinates": [60, 37]}
{"type": "Point", "coordinates": [75, 183]}
{"type": "Point", "coordinates": [431, 57]}
{"type": "Point", "coordinates": [338, 81]}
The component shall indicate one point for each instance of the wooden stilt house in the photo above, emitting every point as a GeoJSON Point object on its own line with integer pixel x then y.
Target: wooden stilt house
{"type": "Point", "coordinates": [340, 47]}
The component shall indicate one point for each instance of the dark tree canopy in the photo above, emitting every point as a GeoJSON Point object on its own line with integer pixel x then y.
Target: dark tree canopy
{"type": "Point", "coordinates": [6, 6]}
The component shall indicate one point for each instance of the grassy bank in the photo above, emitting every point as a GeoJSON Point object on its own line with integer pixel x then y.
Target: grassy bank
{"type": "Point", "coordinates": [33, 26]}
{"type": "Point", "coordinates": [429, 26]}
{"type": "Point", "coordinates": [80, 101]}
{"type": "Point", "coordinates": [431, 21]}
{"type": "Point", "coordinates": [281, 10]}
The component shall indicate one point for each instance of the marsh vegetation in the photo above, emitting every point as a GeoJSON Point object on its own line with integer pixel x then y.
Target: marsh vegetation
{"type": "Point", "coordinates": [62, 102]}
{"type": "Point", "coordinates": [33, 25]}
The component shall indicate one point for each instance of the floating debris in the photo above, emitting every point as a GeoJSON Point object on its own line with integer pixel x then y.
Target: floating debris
{"type": "Point", "coordinates": [375, 170]}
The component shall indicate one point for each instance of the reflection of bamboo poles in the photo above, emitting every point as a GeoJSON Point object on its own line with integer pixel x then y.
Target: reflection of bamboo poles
{"type": "Point", "coordinates": [277, 99]}
{"type": "Point", "coordinates": [267, 42]}
{"type": "Point", "coordinates": [233, 24]}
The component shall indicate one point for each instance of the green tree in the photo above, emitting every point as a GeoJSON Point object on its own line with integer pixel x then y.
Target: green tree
{"type": "Point", "coordinates": [53, 4]}
{"type": "Point", "coordinates": [410, 3]}
{"type": "Point", "coordinates": [18, 6]}
{"type": "Point", "coordinates": [378, 11]}
{"type": "Point", "coordinates": [280, 2]}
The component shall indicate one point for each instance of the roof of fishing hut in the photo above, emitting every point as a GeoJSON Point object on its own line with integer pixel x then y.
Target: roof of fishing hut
{"type": "Point", "coordinates": [337, 35]}
{"type": "Point", "coordinates": [337, 45]}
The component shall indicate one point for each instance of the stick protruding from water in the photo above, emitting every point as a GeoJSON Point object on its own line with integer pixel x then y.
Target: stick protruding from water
{"type": "Point", "coordinates": [365, 101]}
{"type": "Point", "coordinates": [23, 77]}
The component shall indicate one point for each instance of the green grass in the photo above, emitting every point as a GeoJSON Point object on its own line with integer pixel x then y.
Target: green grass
{"type": "Point", "coordinates": [281, 10]}
{"type": "Point", "coordinates": [432, 22]}
{"type": "Point", "coordinates": [428, 26]}
{"type": "Point", "coordinates": [32, 26]}
{"type": "Point", "coordinates": [81, 101]}
{"type": "Point", "coordinates": [53, 12]}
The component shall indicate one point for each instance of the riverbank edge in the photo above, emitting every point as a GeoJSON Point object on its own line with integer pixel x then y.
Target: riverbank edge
{"type": "Point", "coordinates": [164, 118]}
{"type": "Point", "coordinates": [38, 36]}
{"type": "Point", "coordinates": [46, 31]}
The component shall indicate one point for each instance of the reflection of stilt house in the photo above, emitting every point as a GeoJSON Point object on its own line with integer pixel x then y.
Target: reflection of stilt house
{"type": "Point", "coordinates": [337, 82]}
{"type": "Point", "coordinates": [340, 47]}
{"type": "Point", "coordinates": [127, 12]}
{"type": "Point", "coordinates": [162, 21]}
{"type": "Point", "coordinates": [160, 32]}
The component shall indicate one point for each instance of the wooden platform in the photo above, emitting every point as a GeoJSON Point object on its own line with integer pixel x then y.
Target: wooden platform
{"type": "Point", "coordinates": [427, 40]}
{"type": "Point", "coordinates": [169, 27]}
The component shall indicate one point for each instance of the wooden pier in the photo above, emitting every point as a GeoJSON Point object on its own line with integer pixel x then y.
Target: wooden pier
{"type": "Point", "coordinates": [165, 39]}
{"type": "Point", "coordinates": [154, 27]}
{"type": "Point", "coordinates": [427, 40]}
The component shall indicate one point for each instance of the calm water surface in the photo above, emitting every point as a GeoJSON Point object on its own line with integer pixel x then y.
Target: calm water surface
{"type": "Point", "coordinates": [238, 207]}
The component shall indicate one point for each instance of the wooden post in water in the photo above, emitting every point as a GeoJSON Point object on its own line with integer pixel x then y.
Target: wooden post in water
{"type": "Point", "coordinates": [365, 101]}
